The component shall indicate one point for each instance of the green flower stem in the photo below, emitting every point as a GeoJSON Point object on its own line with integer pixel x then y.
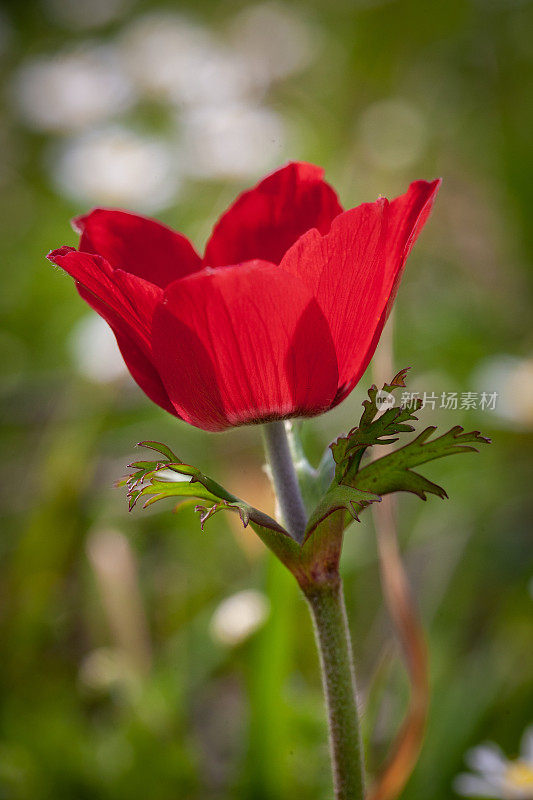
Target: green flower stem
{"type": "Point", "coordinates": [315, 566]}
{"type": "Point", "coordinates": [285, 479]}
{"type": "Point", "coordinates": [338, 678]}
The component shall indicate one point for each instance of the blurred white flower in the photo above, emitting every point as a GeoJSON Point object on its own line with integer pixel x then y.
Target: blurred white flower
{"type": "Point", "coordinates": [233, 141]}
{"type": "Point", "coordinates": [273, 40]}
{"type": "Point", "coordinates": [512, 379]}
{"type": "Point", "coordinates": [117, 167]}
{"type": "Point", "coordinates": [495, 776]}
{"type": "Point", "coordinates": [171, 57]}
{"type": "Point", "coordinates": [84, 14]}
{"type": "Point", "coordinates": [393, 134]}
{"type": "Point", "coordinates": [238, 616]}
{"type": "Point", "coordinates": [94, 350]}
{"type": "Point", "coordinates": [71, 90]}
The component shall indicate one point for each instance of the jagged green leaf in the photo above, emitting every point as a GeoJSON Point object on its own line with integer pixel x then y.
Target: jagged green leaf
{"type": "Point", "coordinates": [372, 429]}
{"type": "Point", "coordinates": [354, 487]}
{"type": "Point", "coordinates": [394, 471]}
{"type": "Point", "coordinates": [171, 477]}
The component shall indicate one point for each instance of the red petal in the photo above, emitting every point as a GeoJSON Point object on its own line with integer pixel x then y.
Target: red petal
{"type": "Point", "coordinates": [143, 372]}
{"type": "Point", "coordinates": [132, 298]}
{"type": "Point", "coordinates": [127, 304]}
{"type": "Point", "coordinates": [138, 245]}
{"type": "Point", "coordinates": [345, 271]}
{"type": "Point", "coordinates": [139, 364]}
{"type": "Point", "coordinates": [265, 221]}
{"type": "Point", "coordinates": [407, 216]}
{"type": "Point", "coordinates": [356, 269]}
{"type": "Point", "coordinates": [241, 345]}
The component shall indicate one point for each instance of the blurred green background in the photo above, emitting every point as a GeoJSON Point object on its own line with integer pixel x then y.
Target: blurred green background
{"type": "Point", "coordinates": [141, 657]}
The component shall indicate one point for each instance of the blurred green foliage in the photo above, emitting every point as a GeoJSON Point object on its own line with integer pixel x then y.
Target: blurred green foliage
{"type": "Point", "coordinates": [113, 683]}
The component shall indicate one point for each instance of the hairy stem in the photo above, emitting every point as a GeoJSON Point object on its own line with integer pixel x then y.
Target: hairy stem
{"type": "Point", "coordinates": [318, 576]}
{"type": "Point", "coordinates": [338, 679]}
{"type": "Point", "coordinates": [285, 479]}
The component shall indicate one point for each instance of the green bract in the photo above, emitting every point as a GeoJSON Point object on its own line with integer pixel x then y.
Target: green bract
{"type": "Point", "coordinates": [171, 477]}
{"type": "Point", "coordinates": [354, 482]}
{"type": "Point", "coordinates": [354, 487]}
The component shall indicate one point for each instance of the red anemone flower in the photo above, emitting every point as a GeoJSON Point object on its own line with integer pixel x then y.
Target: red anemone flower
{"type": "Point", "coordinates": [281, 316]}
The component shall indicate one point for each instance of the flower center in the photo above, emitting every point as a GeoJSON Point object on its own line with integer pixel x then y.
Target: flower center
{"type": "Point", "coordinates": [519, 775]}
